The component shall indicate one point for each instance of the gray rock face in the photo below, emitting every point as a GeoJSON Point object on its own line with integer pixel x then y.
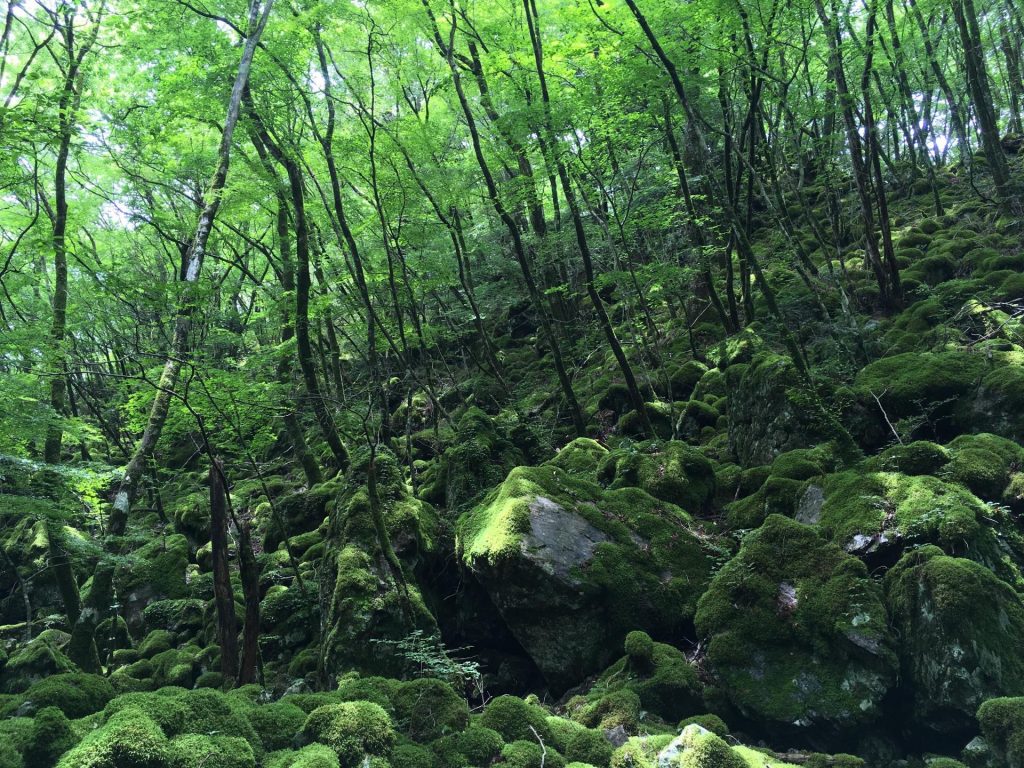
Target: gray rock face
{"type": "Point", "coordinates": [559, 540]}
{"type": "Point", "coordinates": [808, 509]}
{"type": "Point", "coordinates": [572, 567]}
{"type": "Point", "coordinates": [770, 413]}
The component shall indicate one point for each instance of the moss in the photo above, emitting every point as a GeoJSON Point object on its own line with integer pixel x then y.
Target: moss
{"type": "Point", "coordinates": [412, 756]}
{"type": "Point", "coordinates": [184, 616]}
{"type": "Point", "coordinates": [156, 570]}
{"type": "Point", "coordinates": [157, 641]}
{"type": "Point", "coordinates": [41, 657]}
{"type": "Point", "coordinates": [196, 750]}
{"type": "Point", "coordinates": [660, 416]}
{"type": "Point", "coordinates": [1002, 724]}
{"type": "Point", "coordinates": [639, 752]}
{"type": "Point", "coordinates": [589, 746]}
{"type": "Point", "coordinates": [672, 472]}
{"type": "Point", "coordinates": [165, 708]}
{"type": "Point", "coordinates": [562, 730]}
{"type": "Point", "coordinates": [129, 739]}
{"type": "Point", "coordinates": [683, 379]}
{"type": "Point", "coordinates": [315, 756]}
{"type": "Point", "coordinates": [276, 724]}
{"type": "Point", "coordinates": [796, 630]}
{"type": "Point", "coordinates": [703, 749]}
{"type": "Point", "coordinates": [582, 457]}
{"type": "Point", "coordinates": [924, 387]}
{"type": "Point", "coordinates": [51, 737]}
{"type": "Point", "coordinates": [620, 708]}
{"type": "Point", "coordinates": [211, 712]}
{"type": "Point", "coordinates": [712, 723]}
{"type": "Point", "coordinates": [427, 709]}
{"type": "Point", "coordinates": [639, 648]}
{"type": "Point", "coordinates": [514, 719]}
{"type": "Point", "coordinates": [477, 745]}
{"type": "Point", "coordinates": [959, 625]}
{"type": "Point", "coordinates": [572, 567]}
{"type": "Point", "coordinates": [920, 457]}
{"type": "Point", "coordinates": [76, 694]}
{"type": "Point", "coordinates": [984, 463]}
{"type": "Point", "coordinates": [210, 680]}
{"type": "Point", "coordinates": [175, 667]}
{"type": "Point", "coordinates": [778, 496]}
{"type": "Point", "coordinates": [665, 682]}
{"type": "Point", "coordinates": [353, 729]}
{"type": "Point", "coordinates": [379, 690]}
{"type": "Point", "coordinates": [868, 511]}
{"type": "Point", "coordinates": [9, 756]}
{"type": "Point", "coordinates": [530, 754]}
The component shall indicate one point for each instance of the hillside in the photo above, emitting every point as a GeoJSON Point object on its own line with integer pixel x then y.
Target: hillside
{"type": "Point", "coordinates": [559, 385]}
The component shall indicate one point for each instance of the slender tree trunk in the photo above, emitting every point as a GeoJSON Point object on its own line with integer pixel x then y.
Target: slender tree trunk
{"type": "Point", "coordinates": [223, 593]}
{"type": "Point", "coordinates": [82, 647]}
{"type": "Point", "coordinates": [250, 573]}
{"type": "Point", "coordinates": [581, 236]}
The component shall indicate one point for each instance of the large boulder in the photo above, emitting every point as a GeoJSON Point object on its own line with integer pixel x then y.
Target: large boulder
{"type": "Point", "coordinates": [796, 633]}
{"type": "Point", "coordinates": [572, 567]}
{"type": "Point", "coordinates": [771, 411]}
{"type": "Point", "coordinates": [960, 628]}
{"type": "Point", "coordinates": [879, 515]}
{"type": "Point", "coordinates": [672, 471]}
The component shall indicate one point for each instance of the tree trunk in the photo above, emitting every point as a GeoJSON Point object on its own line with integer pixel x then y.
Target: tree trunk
{"type": "Point", "coordinates": [223, 594]}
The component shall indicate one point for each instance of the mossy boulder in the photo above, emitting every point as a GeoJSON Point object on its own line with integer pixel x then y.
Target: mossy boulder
{"type": "Point", "coordinates": [427, 709]}
{"type": "Point", "coordinates": [51, 736]}
{"type": "Point", "coordinates": [355, 730]}
{"type": "Point", "coordinates": [1002, 724]}
{"type": "Point", "coordinates": [796, 632]}
{"type": "Point", "coordinates": [530, 754]}
{"type": "Point", "coordinates": [672, 471]}
{"type": "Point", "coordinates": [572, 567]}
{"type": "Point", "coordinates": [155, 571]}
{"type": "Point", "coordinates": [664, 681]}
{"type": "Point", "coordinates": [878, 515]}
{"type": "Point", "coordinates": [129, 739]}
{"type": "Point", "coordinates": [919, 393]}
{"type": "Point", "coordinates": [75, 694]}
{"type": "Point", "coordinates": [984, 463]}
{"type": "Point", "coordinates": [477, 745]}
{"type": "Point", "coordinates": [40, 658]}
{"type": "Point", "coordinates": [771, 412]}
{"type": "Point", "coordinates": [196, 750]}
{"type": "Point", "coordinates": [959, 627]}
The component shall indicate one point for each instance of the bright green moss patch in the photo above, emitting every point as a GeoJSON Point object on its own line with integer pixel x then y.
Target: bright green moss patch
{"type": "Point", "coordinates": [196, 750]}
{"type": "Point", "coordinates": [129, 739]}
{"type": "Point", "coordinates": [354, 730]}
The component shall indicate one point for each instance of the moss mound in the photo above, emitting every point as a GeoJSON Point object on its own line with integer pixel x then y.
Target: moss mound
{"type": "Point", "coordinates": [796, 631]}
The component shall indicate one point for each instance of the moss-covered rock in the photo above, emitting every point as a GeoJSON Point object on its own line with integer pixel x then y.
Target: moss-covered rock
{"type": "Point", "coordinates": [477, 745]}
{"type": "Point", "coordinates": [355, 730]}
{"type": "Point", "coordinates": [52, 736]}
{"type": "Point", "coordinates": [369, 569]}
{"type": "Point", "coordinates": [42, 657]}
{"type": "Point", "coordinates": [1002, 724]}
{"type": "Point", "coordinates": [75, 694]}
{"type": "Point", "coordinates": [664, 682]}
{"type": "Point", "coordinates": [427, 709]}
{"type": "Point", "coordinates": [194, 750]}
{"type": "Point", "coordinates": [797, 634]}
{"type": "Point", "coordinates": [276, 723]}
{"type": "Point", "coordinates": [958, 623]}
{"type": "Point", "coordinates": [129, 739]}
{"type": "Point", "coordinates": [672, 471]}
{"type": "Point", "coordinates": [771, 412]}
{"type": "Point", "coordinates": [572, 567]}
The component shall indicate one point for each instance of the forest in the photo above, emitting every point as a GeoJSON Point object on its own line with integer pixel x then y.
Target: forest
{"type": "Point", "coordinates": [511, 383]}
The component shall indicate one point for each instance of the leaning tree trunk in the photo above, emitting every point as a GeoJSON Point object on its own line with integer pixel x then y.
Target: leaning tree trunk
{"type": "Point", "coordinates": [223, 594]}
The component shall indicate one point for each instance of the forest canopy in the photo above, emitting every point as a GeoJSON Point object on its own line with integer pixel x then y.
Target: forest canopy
{"type": "Point", "coordinates": [621, 382]}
